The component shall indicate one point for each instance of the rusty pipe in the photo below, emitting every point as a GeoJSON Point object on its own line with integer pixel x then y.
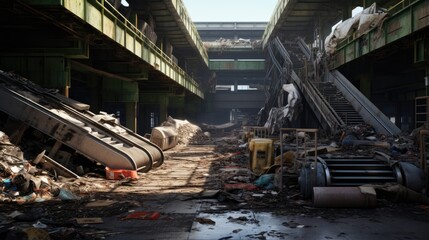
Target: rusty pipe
{"type": "Point", "coordinates": [344, 197]}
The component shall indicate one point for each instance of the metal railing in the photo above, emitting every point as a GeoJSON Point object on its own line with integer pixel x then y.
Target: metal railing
{"type": "Point", "coordinates": [132, 28]}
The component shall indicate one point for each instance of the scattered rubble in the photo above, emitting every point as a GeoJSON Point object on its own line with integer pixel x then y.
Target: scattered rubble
{"type": "Point", "coordinates": [230, 43]}
{"type": "Point", "coordinates": [51, 203]}
{"type": "Point", "coordinates": [187, 133]}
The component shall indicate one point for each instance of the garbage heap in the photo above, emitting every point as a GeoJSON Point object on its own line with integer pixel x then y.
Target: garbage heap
{"type": "Point", "coordinates": [22, 182]}
{"type": "Point", "coordinates": [357, 158]}
{"type": "Point", "coordinates": [174, 132]}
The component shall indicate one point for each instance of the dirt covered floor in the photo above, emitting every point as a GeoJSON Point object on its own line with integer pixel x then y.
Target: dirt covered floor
{"type": "Point", "coordinates": [204, 190]}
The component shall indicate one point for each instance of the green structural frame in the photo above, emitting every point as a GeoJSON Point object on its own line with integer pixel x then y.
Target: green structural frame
{"type": "Point", "coordinates": [192, 30]}
{"type": "Point", "coordinates": [279, 9]}
{"type": "Point", "coordinates": [242, 65]}
{"type": "Point", "coordinates": [405, 18]}
{"type": "Point", "coordinates": [112, 24]}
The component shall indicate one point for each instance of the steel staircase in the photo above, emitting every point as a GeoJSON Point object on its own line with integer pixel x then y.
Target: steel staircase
{"type": "Point", "coordinates": [358, 170]}
{"type": "Point", "coordinates": [336, 102]}
{"type": "Point", "coordinates": [339, 103]}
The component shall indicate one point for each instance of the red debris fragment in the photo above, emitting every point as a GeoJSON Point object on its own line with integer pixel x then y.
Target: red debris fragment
{"type": "Point", "coordinates": [143, 216]}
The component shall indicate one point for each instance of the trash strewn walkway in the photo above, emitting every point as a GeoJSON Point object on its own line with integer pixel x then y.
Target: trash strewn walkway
{"type": "Point", "coordinates": [200, 192]}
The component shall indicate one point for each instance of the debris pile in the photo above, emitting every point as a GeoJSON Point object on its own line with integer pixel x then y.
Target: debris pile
{"type": "Point", "coordinates": [360, 24]}
{"type": "Point", "coordinates": [224, 43]}
{"type": "Point", "coordinates": [187, 133]}
{"type": "Point", "coordinates": [21, 182]}
{"type": "Point", "coordinates": [253, 177]}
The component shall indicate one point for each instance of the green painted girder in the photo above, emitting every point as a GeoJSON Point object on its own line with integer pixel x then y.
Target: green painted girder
{"type": "Point", "coordinates": [257, 65]}
{"type": "Point", "coordinates": [214, 47]}
{"type": "Point", "coordinates": [115, 26]}
{"type": "Point", "coordinates": [127, 70]}
{"type": "Point", "coordinates": [120, 91]}
{"type": "Point", "coordinates": [275, 17]}
{"type": "Point", "coordinates": [189, 25]}
{"type": "Point", "coordinates": [405, 19]}
{"type": "Point", "coordinates": [67, 47]}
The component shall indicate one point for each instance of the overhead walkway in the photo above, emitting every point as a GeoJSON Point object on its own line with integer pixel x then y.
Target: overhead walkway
{"type": "Point", "coordinates": [174, 23]}
{"type": "Point", "coordinates": [237, 61]}
{"type": "Point", "coordinates": [299, 17]}
{"type": "Point", "coordinates": [81, 17]}
{"type": "Point", "coordinates": [405, 18]}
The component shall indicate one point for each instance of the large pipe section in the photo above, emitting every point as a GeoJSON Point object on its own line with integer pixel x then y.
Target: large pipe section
{"type": "Point", "coordinates": [344, 197]}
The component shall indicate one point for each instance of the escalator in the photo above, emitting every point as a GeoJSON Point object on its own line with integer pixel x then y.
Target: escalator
{"type": "Point", "coordinates": [335, 101]}
{"type": "Point", "coordinates": [339, 103]}
{"type": "Point", "coordinates": [96, 136]}
{"type": "Point", "coordinates": [282, 72]}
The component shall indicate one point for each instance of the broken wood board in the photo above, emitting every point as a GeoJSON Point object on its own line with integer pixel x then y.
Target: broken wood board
{"type": "Point", "coordinates": [49, 163]}
{"type": "Point", "coordinates": [101, 203]}
{"type": "Point", "coordinates": [95, 220]}
{"type": "Point", "coordinates": [320, 150]}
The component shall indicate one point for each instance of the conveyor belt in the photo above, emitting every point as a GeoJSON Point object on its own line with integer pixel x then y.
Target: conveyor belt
{"type": "Point", "coordinates": [97, 137]}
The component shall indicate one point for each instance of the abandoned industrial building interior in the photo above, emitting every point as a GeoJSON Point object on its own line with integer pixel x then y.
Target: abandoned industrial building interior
{"type": "Point", "coordinates": [127, 120]}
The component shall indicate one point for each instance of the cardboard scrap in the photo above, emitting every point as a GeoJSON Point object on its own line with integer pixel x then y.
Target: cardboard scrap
{"type": "Point", "coordinates": [101, 203]}
{"type": "Point", "coordinates": [95, 220]}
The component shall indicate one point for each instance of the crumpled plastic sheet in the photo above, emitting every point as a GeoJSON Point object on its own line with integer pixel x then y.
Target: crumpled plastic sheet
{"type": "Point", "coordinates": [361, 23]}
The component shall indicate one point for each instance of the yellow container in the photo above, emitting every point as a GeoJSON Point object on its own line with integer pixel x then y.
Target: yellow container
{"type": "Point", "coordinates": [261, 155]}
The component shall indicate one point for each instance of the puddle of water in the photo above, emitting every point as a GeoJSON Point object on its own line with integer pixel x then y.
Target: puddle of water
{"type": "Point", "coordinates": [266, 225]}
{"type": "Point", "coordinates": [243, 225]}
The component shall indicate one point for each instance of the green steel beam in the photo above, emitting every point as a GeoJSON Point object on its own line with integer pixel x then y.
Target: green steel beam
{"type": "Point", "coordinates": [115, 26]}
{"type": "Point", "coordinates": [237, 65]}
{"type": "Point", "coordinates": [275, 17]}
{"type": "Point", "coordinates": [120, 91]}
{"type": "Point", "coordinates": [192, 30]}
{"type": "Point", "coordinates": [67, 47]}
{"type": "Point", "coordinates": [126, 70]}
{"type": "Point", "coordinates": [49, 71]}
{"type": "Point", "coordinates": [215, 47]}
{"type": "Point", "coordinates": [405, 19]}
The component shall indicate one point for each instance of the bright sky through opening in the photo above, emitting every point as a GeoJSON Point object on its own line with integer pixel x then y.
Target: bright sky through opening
{"type": "Point", "coordinates": [230, 10]}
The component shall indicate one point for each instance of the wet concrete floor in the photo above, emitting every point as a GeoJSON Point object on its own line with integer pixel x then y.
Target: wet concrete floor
{"type": "Point", "coordinates": [266, 225]}
{"type": "Point", "coordinates": [193, 220]}
{"type": "Point", "coordinates": [166, 190]}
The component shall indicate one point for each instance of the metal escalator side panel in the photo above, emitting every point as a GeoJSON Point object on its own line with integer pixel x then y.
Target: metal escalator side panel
{"type": "Point", "coordinates": [124, 135]}
{"type": "Point", "coordinates": [76, 137]}
{"type": "Point", "coordinates": [155, 153]}
{"type": "Point", "coordinates": [366, 109]}
{"type": "Point", "coordinates": [127, 159]}
{"type": "Point", "coordinates": [146, 155]}
{"type": "Point", "coordinates": [326, 116]}
{"type": "Point", "coordinates": [153, 150]}
{"type": "Point", "coordinates": [320, 107]}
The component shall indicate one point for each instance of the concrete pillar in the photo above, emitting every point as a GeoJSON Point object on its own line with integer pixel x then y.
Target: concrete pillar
{"type": "Point", "coordinates": [194, 108]}
{"type": "Point", "coordinates": [176, 106]}
{"type": "Point", "coordinates": [163, 107]}
{"type": "Point", "coordinates": [131, 115]}
{"type": "Point", "coordinates": [157, 102]}
{"type": "Point", "coordinates": [92, 89]}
